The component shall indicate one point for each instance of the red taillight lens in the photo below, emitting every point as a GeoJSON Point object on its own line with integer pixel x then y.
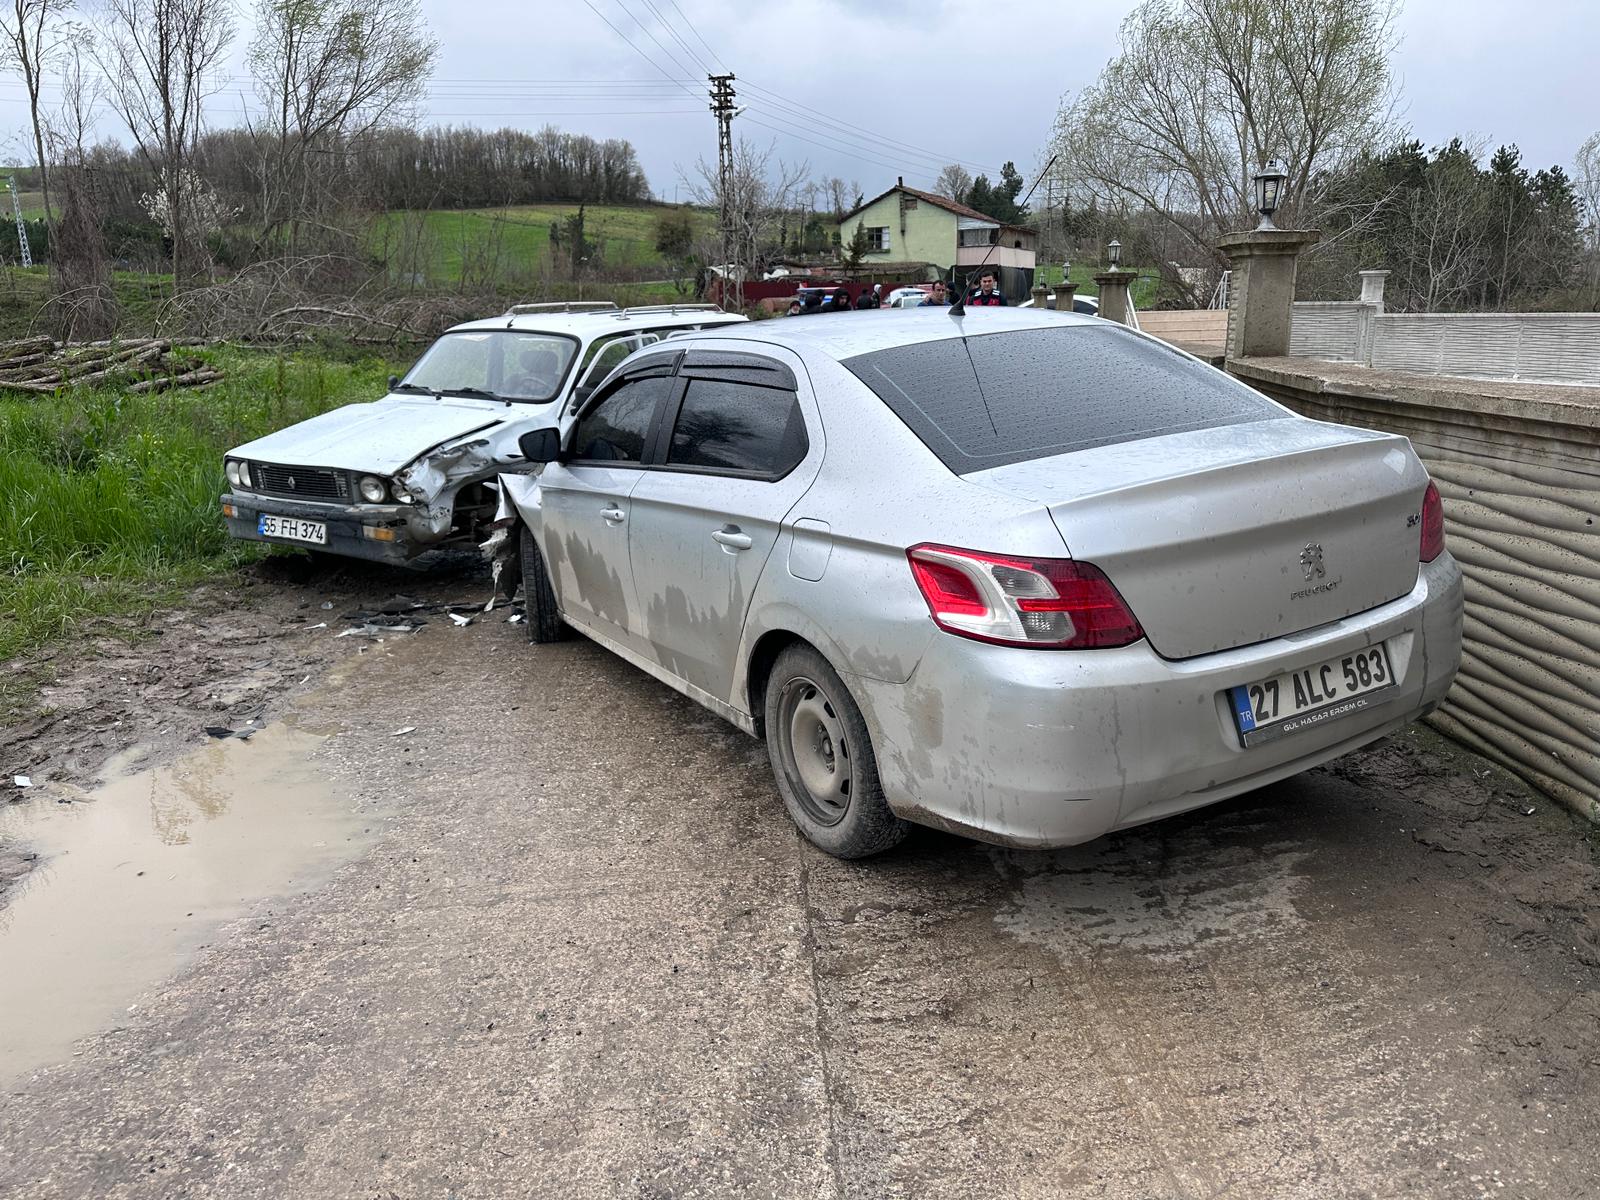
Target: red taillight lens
{"type": "Point", "coordinates": [1432, 524]}
{"type": "Point", "coordinates": [1050, 603]}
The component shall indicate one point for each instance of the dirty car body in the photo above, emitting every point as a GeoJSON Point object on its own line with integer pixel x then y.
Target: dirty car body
{"type": "Point", "coordinates": [1073, 579]}
{"type": "Point", "coordinates": [391, 479]}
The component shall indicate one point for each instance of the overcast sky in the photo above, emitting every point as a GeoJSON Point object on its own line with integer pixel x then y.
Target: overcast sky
{"type": "Point", "coordinates": [868, 91]}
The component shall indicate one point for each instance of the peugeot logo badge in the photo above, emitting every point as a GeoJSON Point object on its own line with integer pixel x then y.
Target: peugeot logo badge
{"type": "Point", "coordinates": [1310, 561]}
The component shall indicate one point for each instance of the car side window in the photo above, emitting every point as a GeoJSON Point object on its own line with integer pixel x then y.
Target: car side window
{"type": "Point", "coordinates": [617, 428]}
{"type": "Point", "coordinates": [730, 426]}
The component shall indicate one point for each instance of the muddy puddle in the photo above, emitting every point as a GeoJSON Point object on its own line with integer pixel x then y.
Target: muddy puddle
{"type": "Point", "coordinates": [138, 872]}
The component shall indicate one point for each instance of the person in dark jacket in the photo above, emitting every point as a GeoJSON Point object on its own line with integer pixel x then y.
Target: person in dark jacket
{"type": "Point", "coordinates": [869, 298]}
{"type": "Point", "coordinates": [987, 294]}
{"type": "Point", "coordinates": [937, 298]}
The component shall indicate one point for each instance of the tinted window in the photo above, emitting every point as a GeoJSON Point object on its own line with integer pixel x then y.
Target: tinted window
{"type": "Point", "coordinates": [1001, 398]}
{"type": "Point", "coordinates": [736, 427]}
{"type": "Point", "coordinates": [615, 430]}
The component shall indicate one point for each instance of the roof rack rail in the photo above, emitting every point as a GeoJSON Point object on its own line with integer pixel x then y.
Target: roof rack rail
{"type": "Point", "coordinates": [560, 306]}
{"type": "Point", "coordinates": [668, 308]}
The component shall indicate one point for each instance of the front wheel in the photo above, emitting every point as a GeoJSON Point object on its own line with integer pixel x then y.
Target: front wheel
{"type": "Point", "coordinates": [822, 758]}
{"type": "Point", "coordinates": [538, 596]}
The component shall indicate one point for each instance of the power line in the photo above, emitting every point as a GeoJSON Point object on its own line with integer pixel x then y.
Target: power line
{"type": "Point", "coordinates": [690, 25]}
{"type": "Point", "coordinates": [645, 29]}
{"type": "Point", "coordinates": [657, 66]}
{"type": "Point", "coordinates": [677, 37]}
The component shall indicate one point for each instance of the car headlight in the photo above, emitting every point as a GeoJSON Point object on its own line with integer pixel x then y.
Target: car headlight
{"type": "Point", "coordinates": [400, 492]}
{"type": "Point", "coordinates": [238, 473]}
{"type": "Point", "coordinates": [373, 490]}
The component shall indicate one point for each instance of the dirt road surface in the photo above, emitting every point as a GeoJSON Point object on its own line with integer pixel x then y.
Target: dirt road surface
{"type": "Point", "coordinates": [557, 938]}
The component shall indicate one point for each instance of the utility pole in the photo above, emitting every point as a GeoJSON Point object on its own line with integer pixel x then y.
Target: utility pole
{"type": "Point", "coordinates": [22, 226]}
{"type": "Point", "coordinates": [722, 109]}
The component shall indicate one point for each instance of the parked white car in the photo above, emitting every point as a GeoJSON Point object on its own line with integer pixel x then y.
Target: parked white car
{"type": "Point", "coordinates": [416, 470]}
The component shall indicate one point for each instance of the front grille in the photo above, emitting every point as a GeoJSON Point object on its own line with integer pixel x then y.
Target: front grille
{"type": "Point", "coordinates": [303, 483]}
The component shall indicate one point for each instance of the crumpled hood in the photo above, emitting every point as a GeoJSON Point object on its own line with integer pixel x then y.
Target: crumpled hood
{"type": "Point", "coordinates": [383, 436]}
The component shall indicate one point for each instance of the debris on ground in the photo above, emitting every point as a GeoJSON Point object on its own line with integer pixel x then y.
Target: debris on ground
{"type": "Point", "coordinates": [22, 781]}
{"type": "Point", "coordinates": [42, 365]}
{"type": "Point", "coordinates": [403, 730]}
{"type": "Point", "coordinates": [222, 731]}
{"type": "Point", "coordinates": [460, 620]}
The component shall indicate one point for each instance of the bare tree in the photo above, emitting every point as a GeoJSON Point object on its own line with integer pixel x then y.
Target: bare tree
{"type": "Point", "coordinates": [84, 304]}
{"type": "Point", "coordinates": [954, 182]}
{"type": "Point", "coordinates": [1586, 182]}
{"type": "Point", "coordinates": [158, 57]}
{"type": "Point", "coordinates": [33, 34]}
{"type": "Point", "coordinates": [328, 71]}
{"type": "Point", "coordinates": [761, 192]}
{"type": "Point", "coordinates": [841, 195]}
{"type": "Point", "coordinates": [1202, 92]}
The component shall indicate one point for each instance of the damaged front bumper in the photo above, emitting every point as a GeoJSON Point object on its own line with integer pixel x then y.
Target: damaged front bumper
{"type": "Point", "coordinates": [389, 533]}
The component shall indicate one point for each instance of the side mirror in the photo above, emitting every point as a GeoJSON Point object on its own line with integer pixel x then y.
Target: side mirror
{"type": "Point", "coordinates": [394, 382]}
{"type": "Point", "coordinates": [540, 445]}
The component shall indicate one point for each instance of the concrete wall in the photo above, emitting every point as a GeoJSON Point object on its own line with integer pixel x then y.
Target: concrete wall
{"type": "Point", "coordinates": [1518, 466]}
{"type": "Point", "coordinates": [1555, 347]}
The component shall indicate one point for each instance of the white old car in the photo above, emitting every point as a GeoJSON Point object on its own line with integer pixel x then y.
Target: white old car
{"type": "Point", "coordinates": [390, 479]}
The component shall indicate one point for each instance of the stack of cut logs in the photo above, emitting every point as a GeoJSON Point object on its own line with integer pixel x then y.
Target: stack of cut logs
{"type": "Point", "coordinates": [39, 364]}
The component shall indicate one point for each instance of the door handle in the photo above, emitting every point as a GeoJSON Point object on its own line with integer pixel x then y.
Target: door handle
{"type": "Point", "coordinates": [614, 515]}
{"type": "Point", "coordinates": [730, 537]}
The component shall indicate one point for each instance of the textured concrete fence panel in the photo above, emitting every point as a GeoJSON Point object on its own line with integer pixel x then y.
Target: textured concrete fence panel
{"type": "Point", "coordinates": [1518, 466]}
{"type": "Point", "coordinates": [1533, 347]}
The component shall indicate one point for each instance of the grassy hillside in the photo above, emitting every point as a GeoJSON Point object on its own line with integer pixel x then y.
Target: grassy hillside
{"type": "Point", "coordinates": [447, 246]}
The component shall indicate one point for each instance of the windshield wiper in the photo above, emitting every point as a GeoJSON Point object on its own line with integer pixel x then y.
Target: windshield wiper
{"type": "Point", "coordinates": [469, 391]}
{"type": "Point", "coordinates": [413, 387]}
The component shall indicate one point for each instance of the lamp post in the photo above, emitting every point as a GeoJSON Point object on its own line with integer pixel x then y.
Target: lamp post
{"type": "Point", "coordinates": [1114, 284]}
{"type": "Point", "coordinates": [1114, 253]}
{"type": "Point", "coordinates": [1269, 191]}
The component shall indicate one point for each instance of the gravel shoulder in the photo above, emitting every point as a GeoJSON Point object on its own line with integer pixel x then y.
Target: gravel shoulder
{"type": "Point", "coordinates": [586, 954]}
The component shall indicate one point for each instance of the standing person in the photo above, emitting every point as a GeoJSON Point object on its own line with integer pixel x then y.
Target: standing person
{"type": "Point", "coordinates": [870, 299]}
{"type": "Point", "coordinates": [987, 294]}
{"type": "Point", "coordinates": [937, 298]}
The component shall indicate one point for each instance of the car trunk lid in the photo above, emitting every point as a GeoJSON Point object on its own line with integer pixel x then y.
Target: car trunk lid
{"type": "Point", "coordinates": [1224, 537]}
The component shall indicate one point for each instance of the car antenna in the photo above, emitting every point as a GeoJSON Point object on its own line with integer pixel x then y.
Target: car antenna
{"type": "Point", "coordinates": [959, 308]}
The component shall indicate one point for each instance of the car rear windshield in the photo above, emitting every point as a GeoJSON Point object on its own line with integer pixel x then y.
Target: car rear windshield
{"type": "Point", "coordinates": [998, 398]}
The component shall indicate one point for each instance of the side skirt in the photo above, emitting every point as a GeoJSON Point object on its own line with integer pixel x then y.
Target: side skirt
{"type": "Point", "coordinates": [699, 695]}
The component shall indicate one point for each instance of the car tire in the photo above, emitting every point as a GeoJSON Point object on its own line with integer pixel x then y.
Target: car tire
{"type": "Point", "coordinates": [538, 597]}
{"type": "Point", "coordinates": [822, 758]}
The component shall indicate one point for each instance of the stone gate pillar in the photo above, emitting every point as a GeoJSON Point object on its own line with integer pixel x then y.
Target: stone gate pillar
{"type": "Point", "coordinates": [1114, 287]}
{"type": "Point", "coordinates": [1261, 288]}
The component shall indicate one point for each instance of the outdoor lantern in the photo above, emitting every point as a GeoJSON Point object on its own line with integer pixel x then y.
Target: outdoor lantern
{"type": "Point", "coordinates": [1269, 191]}
{"type": "Point", "coordinates": [1114, 253]}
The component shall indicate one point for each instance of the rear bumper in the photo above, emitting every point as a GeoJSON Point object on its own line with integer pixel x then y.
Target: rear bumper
{"type": "Point", "coordinates": [1038, 748]}
{"type": "Point", "coordinates": [377, 532]}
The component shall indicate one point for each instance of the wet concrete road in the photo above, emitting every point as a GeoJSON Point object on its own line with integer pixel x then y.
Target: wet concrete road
{"type": "Point", "coordinates": [587, 956]}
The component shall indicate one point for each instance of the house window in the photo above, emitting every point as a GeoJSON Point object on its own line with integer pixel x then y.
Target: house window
{"type": "Point", "coordinates": [877, 238]}
{"type": "Point", "coordinates": [977, 237]}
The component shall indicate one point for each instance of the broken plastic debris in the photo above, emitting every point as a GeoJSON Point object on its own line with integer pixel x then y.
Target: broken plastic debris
{"type": "Point", "coordinates": [1529, 811]}
{"type": "Point", "coordinates": [403, 730]}
{"type": "Point", "coordinates": [222, 731]}
{"type": "Point", "coordinates": [460, 620]}
{"type": "Point", "coordinates": [327, 604]}
{"type": "Point", "coordinates": [514, 618]}
{"type": "Point", "coordinates": [320, 625]}
{"type": "Point", "coordinates": [22, 781]}
{"type": "Point", "coordinates": [370, 630]}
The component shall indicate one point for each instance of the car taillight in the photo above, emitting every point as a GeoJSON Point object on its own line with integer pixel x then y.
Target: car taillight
{"type": "Point", "coordinates": [1432, 524]}
{"type": "Point", "coordinates": [1049, 603]}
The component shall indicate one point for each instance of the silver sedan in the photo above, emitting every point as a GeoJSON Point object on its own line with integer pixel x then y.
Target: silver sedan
{"type": "Point", "coordinates": [1030, 577]}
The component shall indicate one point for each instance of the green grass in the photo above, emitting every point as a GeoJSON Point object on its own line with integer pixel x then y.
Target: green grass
{"type": "Point", "coordinates": [109, 502]}
{"type": "Point", "coordinates": [23, 294]}
{"type": "Point", "coordinates": [1144, 290]}
{"type": "Point", "coordinates": [448, 246]}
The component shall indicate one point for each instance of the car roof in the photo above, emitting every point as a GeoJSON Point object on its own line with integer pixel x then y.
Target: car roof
{"type": "Point", "coordinates": [593, 322]}
{"type": "Point", "coordinates": [846, 336]}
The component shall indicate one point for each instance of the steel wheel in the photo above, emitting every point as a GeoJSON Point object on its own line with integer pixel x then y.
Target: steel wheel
{"type": "Point", "coordinates": [816, 750]}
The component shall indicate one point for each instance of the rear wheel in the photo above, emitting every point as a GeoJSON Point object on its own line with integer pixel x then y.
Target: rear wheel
{"type": "Point", "coordinates": [822, 758]}
{"type": "Point", "coordinates": [538, 597]}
